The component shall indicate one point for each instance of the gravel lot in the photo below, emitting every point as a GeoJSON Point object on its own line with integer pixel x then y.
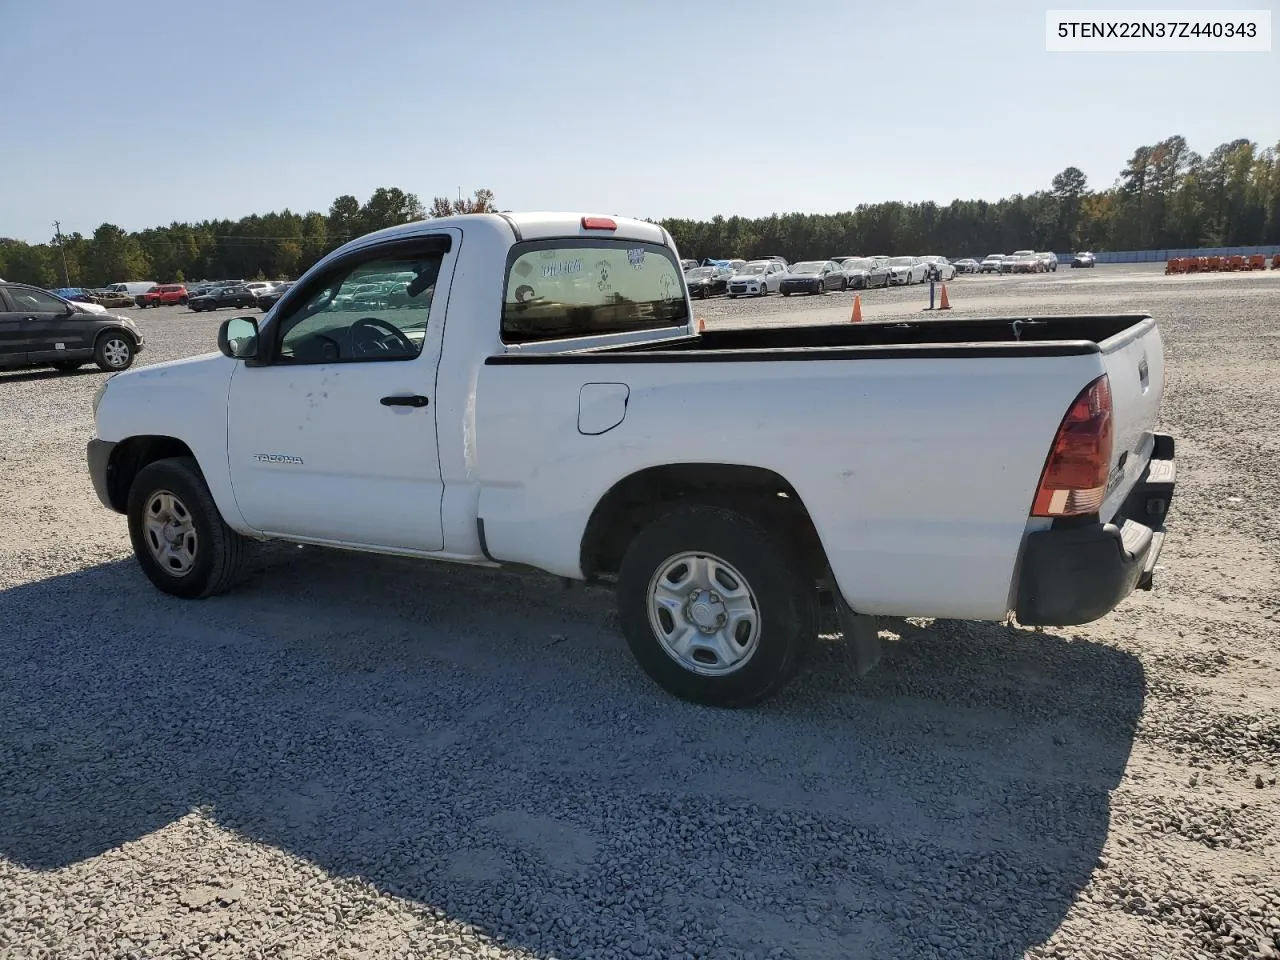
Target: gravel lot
{"type": "Point", "coordinates": [358, 757]}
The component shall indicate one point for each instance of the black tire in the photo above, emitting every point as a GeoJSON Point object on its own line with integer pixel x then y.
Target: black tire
{"type": "Point", "coordinates": [786, 293]}
{"type": "Point", "coordinates": [218, 549]}
{"type": "Point", "coordinates": [110, 347]}
{"type": "Point", "coordinates": [787, 606]}
{"type": "Point", "coordinates": [67, 366]}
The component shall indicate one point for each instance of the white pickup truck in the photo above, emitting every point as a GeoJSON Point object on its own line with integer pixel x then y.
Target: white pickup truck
{"type": "Point", "coordinates": [533, 390]}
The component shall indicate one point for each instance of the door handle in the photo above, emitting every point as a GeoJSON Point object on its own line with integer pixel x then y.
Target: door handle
{"type": "Point", "coordinates": [413, 401]}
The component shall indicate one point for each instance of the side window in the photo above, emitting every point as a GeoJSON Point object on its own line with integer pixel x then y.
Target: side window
{"type": "Point", "coordinates": [579, 287]}
{"type": "Point", "coordinates": [362, 312]}
{"type": "Point", "coordinates": [35, 301]}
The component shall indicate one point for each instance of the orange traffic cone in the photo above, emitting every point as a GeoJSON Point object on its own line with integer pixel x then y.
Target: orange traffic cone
{"type": "Point", "coordinates": [702, 325]}
{"type": "Point", "coordinates": [944, 305]}
{"type": "Point", "coordinates": [857, 309]}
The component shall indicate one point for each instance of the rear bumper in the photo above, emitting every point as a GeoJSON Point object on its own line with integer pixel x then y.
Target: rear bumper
{"type": "Point", "coordinates": [98, 456]}
{"type": "Point", "coordinates": [1077, 573]}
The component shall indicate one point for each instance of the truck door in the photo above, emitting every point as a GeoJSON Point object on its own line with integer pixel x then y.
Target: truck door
{"type": "Point", "coordinates": [332, 431]}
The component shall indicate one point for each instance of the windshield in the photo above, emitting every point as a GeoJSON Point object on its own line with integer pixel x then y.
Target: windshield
{"type": "Point", "coordinates": [700, 273]}
{"type": "Point", "coordinates": [811, 266]}
{"type": "Point", "coordinates": [751, 269]}
{"type": "Point", "coordinates": [902, 262]}
{"type": "Point", "coordinates": [857, 264]}
{"type": "Point", "coordinates": [995, 256]}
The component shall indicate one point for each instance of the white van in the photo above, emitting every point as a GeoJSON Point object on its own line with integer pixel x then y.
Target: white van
{"type": "Point", "coordinates": [132, 287]}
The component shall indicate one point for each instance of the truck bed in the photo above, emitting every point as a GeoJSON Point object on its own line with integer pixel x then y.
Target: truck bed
{"type": "Point", "coordinates": [989, 336]}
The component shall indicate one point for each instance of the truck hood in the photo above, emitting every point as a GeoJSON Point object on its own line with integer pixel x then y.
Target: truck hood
{"type": "Point", "coordinates": [205, 365]}
{"type": "Point", "coordinates": [165, 399]}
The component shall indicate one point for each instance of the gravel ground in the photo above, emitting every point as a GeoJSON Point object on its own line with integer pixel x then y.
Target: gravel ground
{"type": "Point", "coordinates": [360, 757]}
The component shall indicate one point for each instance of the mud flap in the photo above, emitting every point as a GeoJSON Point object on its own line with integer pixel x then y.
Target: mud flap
{"type": "Point", "coordinates": [861, 633]}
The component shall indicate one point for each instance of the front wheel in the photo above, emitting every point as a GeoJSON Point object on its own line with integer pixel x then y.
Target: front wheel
{"type": "Point", "coordinates": [179, 537]}
{"type": "Point", "coordinates": [713, 607]}
{"type": "Point", "coordinates": [113, 352]}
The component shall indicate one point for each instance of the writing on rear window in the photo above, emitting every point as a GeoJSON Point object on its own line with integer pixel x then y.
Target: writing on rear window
{"type": "Point", "coordinates": [561, 267]}
{"type": "Point", "coordinates": [558, 289]}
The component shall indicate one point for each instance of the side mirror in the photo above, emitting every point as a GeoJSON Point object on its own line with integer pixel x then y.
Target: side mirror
{"type": "Point", "coordinates": [238, 338]}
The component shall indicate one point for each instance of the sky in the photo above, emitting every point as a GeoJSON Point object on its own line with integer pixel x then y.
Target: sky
{"type": "Point", "coordinates": [145, 112]}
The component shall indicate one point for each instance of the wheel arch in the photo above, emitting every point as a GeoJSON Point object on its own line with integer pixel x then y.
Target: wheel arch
{"type": "Point", "coordinates": [638, 498]}
{"type": "Point", "coordinates": [130, 456]}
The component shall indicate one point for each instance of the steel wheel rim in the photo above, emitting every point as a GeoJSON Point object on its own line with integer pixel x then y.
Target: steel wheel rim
{"type": "Point", "coordinates": [703, 613]}
{"type": "Point", "coordinates": [116, 352]}
{"type": "Point", "coordinates": [170, 532]}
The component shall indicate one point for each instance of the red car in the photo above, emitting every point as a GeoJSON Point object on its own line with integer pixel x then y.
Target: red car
{"type": "Point", "coordinates": [166, 294]}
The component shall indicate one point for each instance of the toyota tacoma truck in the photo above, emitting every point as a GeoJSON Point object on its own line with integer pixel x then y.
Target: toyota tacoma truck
{"type": "Point", "coordinates": [533, 391]}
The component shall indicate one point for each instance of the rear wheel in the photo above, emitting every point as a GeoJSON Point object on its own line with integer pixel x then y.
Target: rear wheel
{"type": "Point", "coordinates": [114, 351]}
{"type": "Point", "coordinates": [713, 607]}
{"type": "Point", "coordinates": [179, 537]}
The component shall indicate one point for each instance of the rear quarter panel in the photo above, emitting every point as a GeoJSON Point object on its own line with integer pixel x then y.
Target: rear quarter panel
{"type": "Point", "coordinates": [918, 473]}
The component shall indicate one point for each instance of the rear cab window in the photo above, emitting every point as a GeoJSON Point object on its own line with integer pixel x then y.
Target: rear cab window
{"type": "Point", "coordinates": [580, 287]}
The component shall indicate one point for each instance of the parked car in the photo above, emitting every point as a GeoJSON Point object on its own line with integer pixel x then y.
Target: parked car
{"type": "Point", "coordinates": [758, 278]}
{"type": "Point", "coordinates": [39, 329]}
{"type": "Point", "coordinates": [1020, 261]}
{"type": "Point", "coordinates": [813, 276]}
{"type": "Point", "coordinates": [1084, 259]}
{"type": "Point", "coordinates": [706, 282]}
{"type": "Point", "coordinates": [237, 295]}
{"type": "Point", "coordinates": [966, 265]}
{"type": "Point", "coordinates": [259, 287]}
{"type": "Point", "coordinates": [269, 300]}
{"type": "Point", "coordinates": [904, 271]}
{"type": "Point", "coordinates": [862, 273]}
{"type": "Point", "coordinates": [991, 263]}
{"type": "Point", "coordinates": [132, 287]}
{"type": "Point", "coordinates": [164, 295]}
{"type": "Point", "coordinates": [687, 265]}
{"type": "Point", "coordinates": [1050, 506]}
{"type": "Point", "coordinates": [939, 268]}
{"type": "Point", "coordinates": [74, 294]}
{"type": "Point", "coordinates": [83, 301]}
{"type": "Point", "coordinates": [1050, 261]}
{"type": "Point", "coordinates": [113, 299]}
{"type": "Point", "coordinates": [732, 265]}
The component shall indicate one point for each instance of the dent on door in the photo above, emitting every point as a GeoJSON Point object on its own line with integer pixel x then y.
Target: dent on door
{"type": "Point", "coordinates": [601, 407]}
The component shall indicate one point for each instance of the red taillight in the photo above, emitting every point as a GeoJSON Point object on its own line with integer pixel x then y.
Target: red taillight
{"type": "Point", "coordinates": [598, 223]}
{"type": "Point", "coordinates": [1074, 480]}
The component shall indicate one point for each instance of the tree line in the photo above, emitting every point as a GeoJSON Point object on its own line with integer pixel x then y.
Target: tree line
{"type": "Point", "coordinates": [1167, 196]}
{"type": "Point", "coordinates": [263, 246]}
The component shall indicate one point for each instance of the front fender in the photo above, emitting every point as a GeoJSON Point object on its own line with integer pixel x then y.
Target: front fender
{"type": "Point", "coordinates": [185, 400]}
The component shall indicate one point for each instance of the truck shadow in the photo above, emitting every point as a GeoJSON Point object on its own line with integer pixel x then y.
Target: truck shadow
{"type": "Point", "coordinates": [481, 743]}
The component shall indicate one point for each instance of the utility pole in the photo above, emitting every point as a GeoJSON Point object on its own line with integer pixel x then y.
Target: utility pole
{"type": "Point", "coordinates": [66, 277]}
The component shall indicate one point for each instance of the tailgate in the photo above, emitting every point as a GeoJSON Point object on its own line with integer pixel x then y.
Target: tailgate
{"type": "Point", "coordinates": [1134, 361]}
